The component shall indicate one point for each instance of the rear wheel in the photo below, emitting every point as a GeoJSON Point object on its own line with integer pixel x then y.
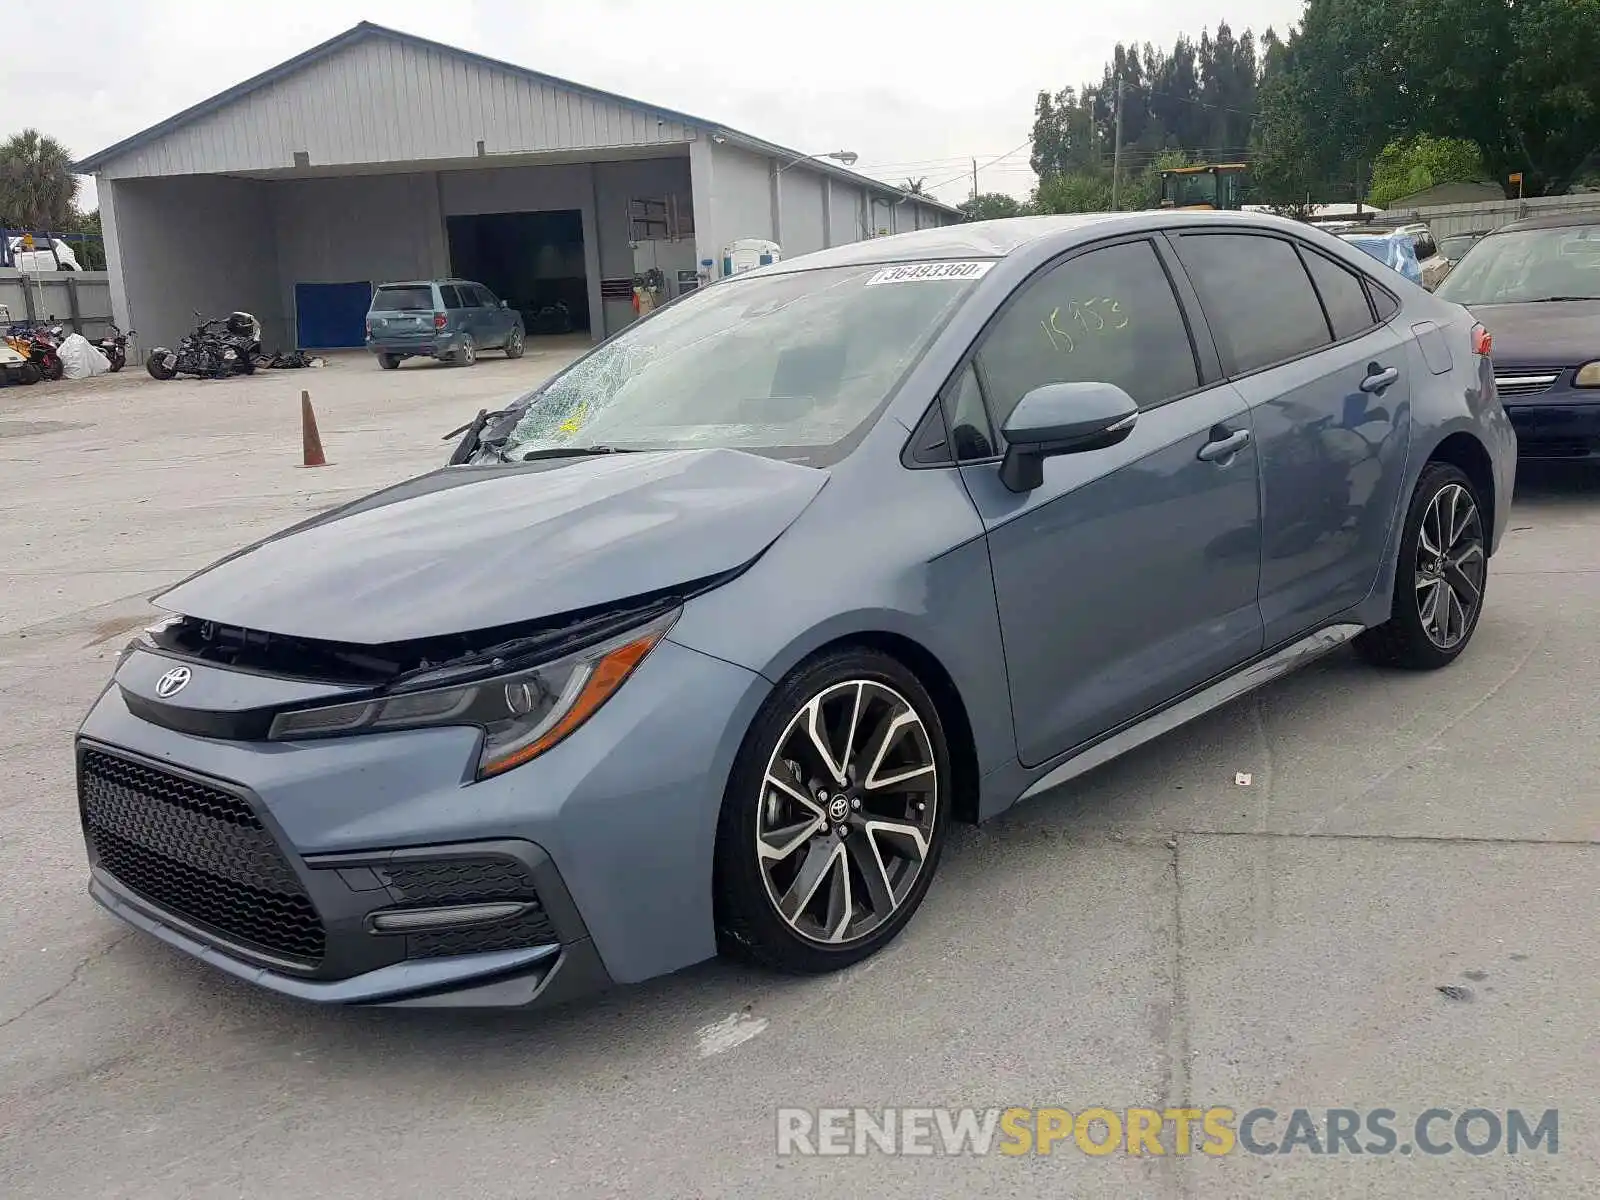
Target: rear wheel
{"type": "Point", "coordinates": [468, 353]}
{"type": "Point", "coordinates": [514, 343]}
{"type": "Point", "coordinates": [389, 362]}
{"type": "Point", "coordinates": [53, 369]}
{"type": "Point", "coordinates": [1439, 584]}
{"type": "Point", "coordinates": [156, 365]}
{"type": "Point", "coordinates": [834, 817]}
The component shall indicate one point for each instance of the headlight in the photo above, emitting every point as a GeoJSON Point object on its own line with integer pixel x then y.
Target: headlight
{"type": "Point", "coordinates": [522, 713]}
{"type": "Point", "coordinates": [1588, 375]}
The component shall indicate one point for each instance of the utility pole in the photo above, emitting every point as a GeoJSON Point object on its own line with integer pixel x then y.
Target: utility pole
{"type": "Point", "coordinates": [974, 178]}
{"type": "Point", "coordinates": [1116, 150]}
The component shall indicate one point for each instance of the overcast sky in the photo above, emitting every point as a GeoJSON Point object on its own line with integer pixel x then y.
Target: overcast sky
{"type": "Point", "coordinates": [913, 92]}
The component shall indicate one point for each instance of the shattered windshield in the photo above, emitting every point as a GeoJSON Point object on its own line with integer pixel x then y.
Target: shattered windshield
{"type": "Point", "coordinates": [791, 365]}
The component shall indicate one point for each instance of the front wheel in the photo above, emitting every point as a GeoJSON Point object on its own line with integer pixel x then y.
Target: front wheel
{"type": "Point", "coordinates": [1441, 577]}
{"type": "Point", "coordinates": [156, 364]}
{"type": "Point", "coordinates": [514, 343]}
{"type": "Point", "coordinates": [117, 360]}
{"type": "Point", "coordinates": [52, 369]}
{"type": "Point", "coordinates": [834, 816]}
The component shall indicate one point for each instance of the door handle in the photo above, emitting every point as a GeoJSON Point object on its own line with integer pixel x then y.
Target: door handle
{"type": "Point", "coordinates": [1224, 447]}
{"type": "Point", "coordinates": [1379, 380]}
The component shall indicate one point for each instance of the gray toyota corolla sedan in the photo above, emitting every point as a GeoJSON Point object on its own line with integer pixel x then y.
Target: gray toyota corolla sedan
{"type": "Point", "coordinates": [705, 643]}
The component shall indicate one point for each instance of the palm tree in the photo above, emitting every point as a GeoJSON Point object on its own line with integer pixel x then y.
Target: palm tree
{"type": "Point", "coordinates": [37, 186]}
{"type": "Point", "coordinates": [914, 187]}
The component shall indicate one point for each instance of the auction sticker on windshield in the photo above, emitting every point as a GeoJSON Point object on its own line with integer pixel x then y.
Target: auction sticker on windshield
{"type": "Point", "coordinates": [919, 272]}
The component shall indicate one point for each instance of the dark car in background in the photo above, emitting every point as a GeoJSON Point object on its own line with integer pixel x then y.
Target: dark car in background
{"type": "Point", "coordinates": [1535, 285]}
{"type": "Point", "coordinates": [447, 319]}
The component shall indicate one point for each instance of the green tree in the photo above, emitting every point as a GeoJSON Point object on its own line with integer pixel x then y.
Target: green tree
{"type": "Point", "coordinates": [990, 206]}
{"type": "Point", "coordinates": [914, 187]}
{"type": "Point", "coordinates": [1409, 165]}
{"type": "Point", "coordinates": [1520, 79]}
{"type": "Point", "coordinates": [37, 186]}
{"type": "Point", "coordinates": [1079, 192]}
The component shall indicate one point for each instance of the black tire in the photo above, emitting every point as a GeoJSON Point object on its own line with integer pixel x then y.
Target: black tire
{"type": "Point", "coordinates": [389, 362]}
{"type": "Point", "coordinates": [749, 924]}
{"type": "Point", "coordinates": [1406, 640]}
{"type": "Point", "coordinates": [118, 361]}
{"type": "Point", "coordinates": [468, 353]}
{"type": "Point", "coordinates": [515, 342]}
{"type": "Point", "coordinates": [30, 373]}
{"type": "Point", "coordinates": [53, 370]}
{"type": "Point", "coordinates": [157, 368]}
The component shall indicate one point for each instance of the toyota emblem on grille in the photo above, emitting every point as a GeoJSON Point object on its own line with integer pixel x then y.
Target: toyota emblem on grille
{"type": "Point", "coordinates": [173, 682]}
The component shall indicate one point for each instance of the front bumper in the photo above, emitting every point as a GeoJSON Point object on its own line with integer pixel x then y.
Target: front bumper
{"type": "Point", "coordinates": [270, 860]}
{"type": "Point", "coordinates": [1560, 422]}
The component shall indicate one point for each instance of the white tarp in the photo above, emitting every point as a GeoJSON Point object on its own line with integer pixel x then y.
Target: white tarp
{"type": "Point", "coordinates": [80, 358]}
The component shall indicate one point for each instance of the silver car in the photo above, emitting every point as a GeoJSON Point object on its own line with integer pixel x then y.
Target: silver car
{"type": "Point", "coordinates": [705, 644]}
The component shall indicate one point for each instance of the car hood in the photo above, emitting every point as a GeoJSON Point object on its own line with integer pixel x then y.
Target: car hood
{"type": "Point", "coordinates": [1563, 333]}
{"type": "Point", "coordinates": [472, 548]}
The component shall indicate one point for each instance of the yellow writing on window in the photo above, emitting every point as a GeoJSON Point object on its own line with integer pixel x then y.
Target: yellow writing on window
{"type": "Point", "coordinates": [1094, 316]}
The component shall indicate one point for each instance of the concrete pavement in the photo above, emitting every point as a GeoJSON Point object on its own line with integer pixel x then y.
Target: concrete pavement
{"type": "Point", "coordinates": [1155, 935]}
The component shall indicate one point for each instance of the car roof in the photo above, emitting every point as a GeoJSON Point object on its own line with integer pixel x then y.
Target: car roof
{"type": "Point", "coordinates": [1551, 221]}
{"type": "Point", "coordinates": [400, 283]}
{"type": "Point", "coordinates": [1007, 235]}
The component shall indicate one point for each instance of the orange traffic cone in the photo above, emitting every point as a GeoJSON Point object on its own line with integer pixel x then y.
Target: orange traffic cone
{"type": "Point", "coordinates": [310, 439]}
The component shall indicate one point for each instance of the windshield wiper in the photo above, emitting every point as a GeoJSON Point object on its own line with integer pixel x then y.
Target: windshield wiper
{"type": "Point", "coordinates": [473, 442]}
{"type": "Point", "coordinates": [573, 452]}
{"type": "Point", "coordinates": [1560, 299]}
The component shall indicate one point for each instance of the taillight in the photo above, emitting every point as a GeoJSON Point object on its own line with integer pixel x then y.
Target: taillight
{"type": "Point", "coordinates": [438, 320]}
{"type": "Point", "coordinates": [1482, 341]}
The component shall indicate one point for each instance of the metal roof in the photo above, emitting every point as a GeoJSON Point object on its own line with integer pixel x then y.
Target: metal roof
{"type": "Point", "coordinates": [367, 30]}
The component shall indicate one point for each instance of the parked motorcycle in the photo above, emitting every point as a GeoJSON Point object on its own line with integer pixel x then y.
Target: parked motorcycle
{"type": "Point", "coordinates": [114, 346]}
{"type": "Point", "coordinates": [217, 348]}
{"type": "Point", "coordinates": [38, 343]}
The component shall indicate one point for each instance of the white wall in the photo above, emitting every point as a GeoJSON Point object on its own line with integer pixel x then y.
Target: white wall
{"type": "Point", "coordinates": [366, 227]}
{"type": "Point", "coordinates": [193, 242]}
{"type": "Point", "coordinates": [803, 223]}
{"type": "Point", "coordinates": [845, 221]}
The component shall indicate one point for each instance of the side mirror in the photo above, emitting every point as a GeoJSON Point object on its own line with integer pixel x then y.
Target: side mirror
{"type": "Point", "coordinates": [505, 304]}
{"type": "Point", "coordinates": [1062, 418]}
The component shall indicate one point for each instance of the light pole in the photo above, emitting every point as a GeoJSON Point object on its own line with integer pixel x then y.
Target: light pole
{"type": "Point", "coordinates": [847, 157]}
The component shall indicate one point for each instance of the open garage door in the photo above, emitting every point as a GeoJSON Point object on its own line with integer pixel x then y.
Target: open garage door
{"type": "Point", "coordinates": [331, 316]}
{"type": "Point", "coordinates": [532, 260]}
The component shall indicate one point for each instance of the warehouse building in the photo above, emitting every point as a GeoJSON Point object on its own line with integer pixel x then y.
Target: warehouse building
{"type": "Point", "coordinates": [380, 156]}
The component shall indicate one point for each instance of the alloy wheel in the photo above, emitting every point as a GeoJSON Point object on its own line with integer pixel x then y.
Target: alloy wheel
{"type": "Point", "coordinates": [847, 812]}
{"type": "Point", "coordinates": [1451, 566]}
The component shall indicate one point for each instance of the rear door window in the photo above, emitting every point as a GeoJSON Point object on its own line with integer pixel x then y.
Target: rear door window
{"type": "Point", "coordinates": [417, 298]}
{"type": "Point", "coordinates": [1107, 316]}
{"type": "Point", "coordinates": [1258, 298]}
{"type": "Point", "coordinates": [452, 297]}
{"type": "Point", "coordinates": [1342, 295]}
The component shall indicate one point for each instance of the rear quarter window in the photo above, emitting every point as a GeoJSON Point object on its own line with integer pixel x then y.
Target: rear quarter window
{"type": "Point", "coordinates": [1342, 295]}
{"type": "Point", "coordinates": [403, 299]}
{"type": "Point", "coordinates": [452, 298]}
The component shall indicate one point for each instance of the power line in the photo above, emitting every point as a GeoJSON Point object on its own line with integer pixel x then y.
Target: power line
{"type": "Point", "coordinates": [1026, 143]}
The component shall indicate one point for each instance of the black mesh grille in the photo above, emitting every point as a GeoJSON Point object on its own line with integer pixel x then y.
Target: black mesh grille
{"type": "Point", "coordinates": [197, 851]}
{"type": "Point", "coordinates": [532, 928]}
{"type": "Point", "coordinates": [437, 882]}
